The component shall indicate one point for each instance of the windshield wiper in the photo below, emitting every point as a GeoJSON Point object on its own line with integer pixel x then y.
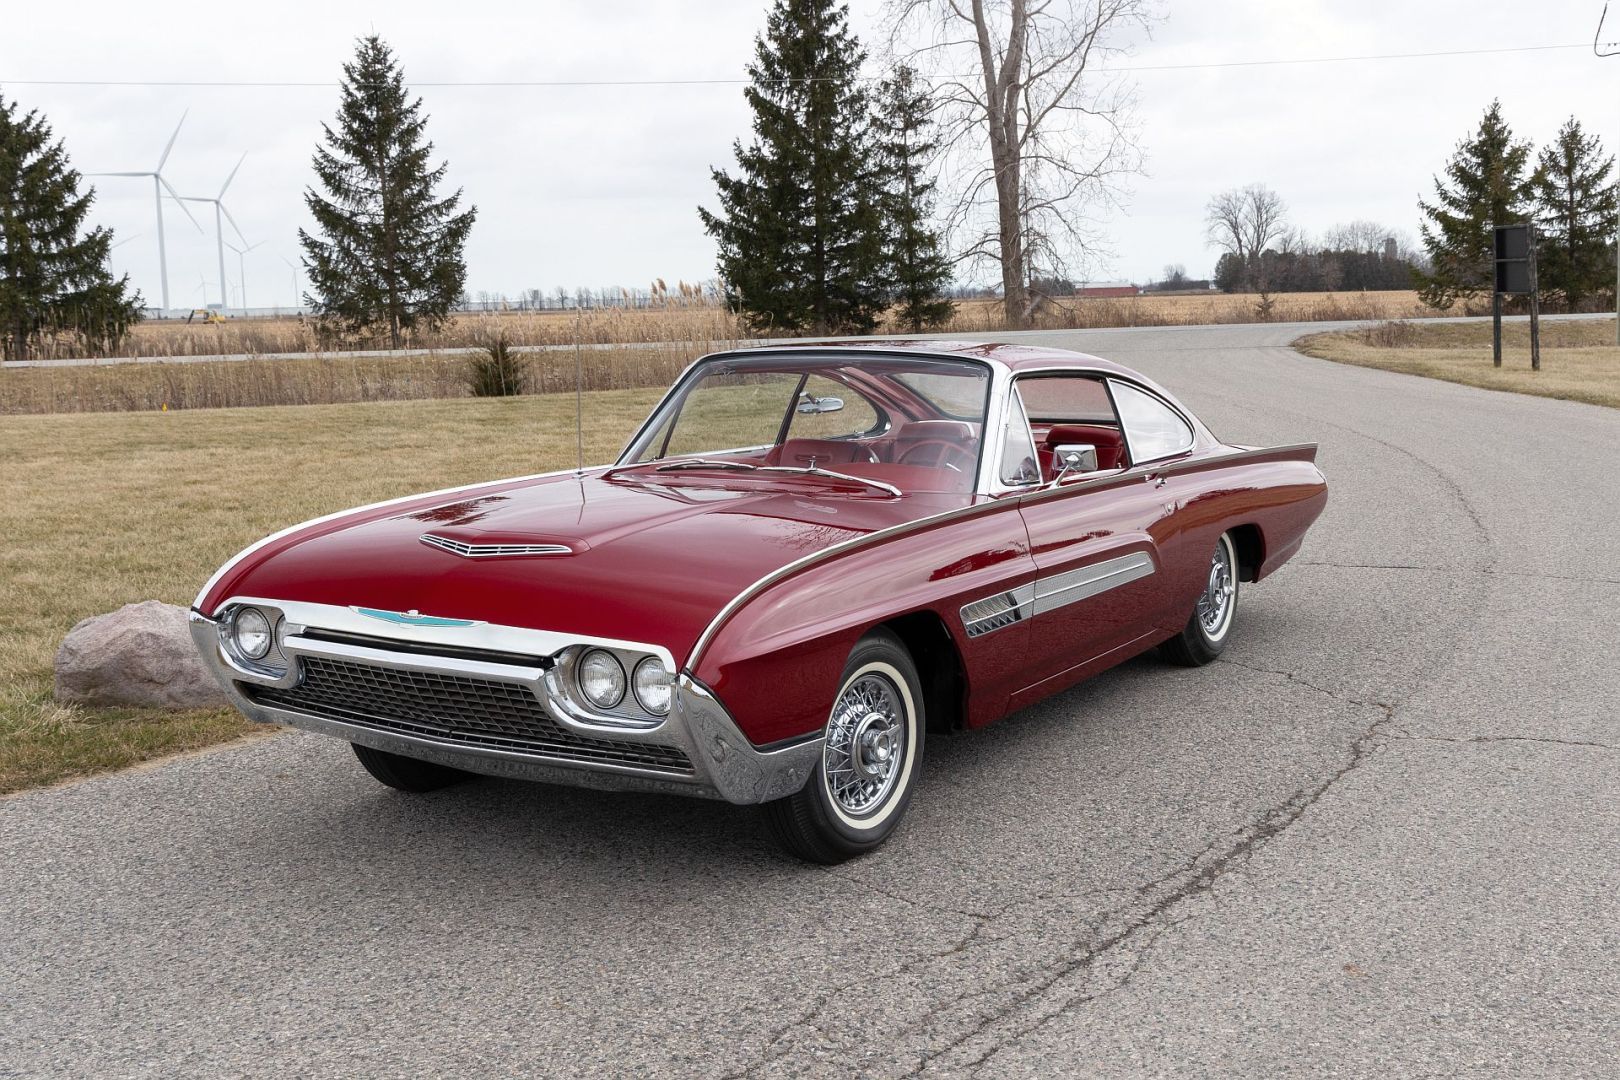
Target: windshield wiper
{"type": "Point", "coordinates": [706, 463]}
{"type": "Point", "coordinates": [812, 470]}
{"type": "Point", "coordinates": [816, 470]}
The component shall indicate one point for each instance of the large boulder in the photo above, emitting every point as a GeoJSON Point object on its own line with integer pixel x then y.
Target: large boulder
{"type": "Point", "coordinates": [141, 654]}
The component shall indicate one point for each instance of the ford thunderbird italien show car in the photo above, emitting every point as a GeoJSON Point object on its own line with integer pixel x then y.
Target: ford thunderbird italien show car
{"type": "Point", "coordinates": [805, 559]}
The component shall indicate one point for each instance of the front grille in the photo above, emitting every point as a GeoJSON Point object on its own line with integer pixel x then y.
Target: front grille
{"type": "Point", "coordinates": [453, 709]}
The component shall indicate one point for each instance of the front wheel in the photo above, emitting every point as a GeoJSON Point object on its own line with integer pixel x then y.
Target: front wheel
{"type": "Point", "coordinates": [1206, 633]}
{"type": "Point", "coordinates": [870, 760]}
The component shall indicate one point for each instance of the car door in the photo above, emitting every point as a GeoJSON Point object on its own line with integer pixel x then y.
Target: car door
{"type": "Point", "coordinates": [1099, 587]}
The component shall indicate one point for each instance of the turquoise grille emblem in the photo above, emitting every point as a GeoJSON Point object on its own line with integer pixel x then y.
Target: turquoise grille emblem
{"type": "Point", "coordinates": [412, 618]}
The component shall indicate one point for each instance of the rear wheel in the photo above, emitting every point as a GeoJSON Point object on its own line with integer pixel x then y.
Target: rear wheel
{"type": "Point", "coordinates": [407, 774]}
{"type": "Point", "coordinates": [870, 760]}
{"type": "Point", "coordinates": [1206, 633]}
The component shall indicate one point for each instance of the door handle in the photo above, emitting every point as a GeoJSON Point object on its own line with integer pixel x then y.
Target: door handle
{"type": "Point", "coordinates": [1156, 479]}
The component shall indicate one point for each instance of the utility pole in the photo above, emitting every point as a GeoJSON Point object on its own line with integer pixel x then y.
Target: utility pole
{"type": "Point", "coordinates": [1602, 49]}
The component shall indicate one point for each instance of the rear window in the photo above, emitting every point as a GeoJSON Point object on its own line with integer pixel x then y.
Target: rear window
{"type": "Point", "coordinates": [1066, 399]}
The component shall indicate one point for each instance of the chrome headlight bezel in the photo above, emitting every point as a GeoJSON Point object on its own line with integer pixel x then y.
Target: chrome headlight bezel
{"type": "Point", "coordinates": [619, 679]}
{"type": "Point", "coordinates": [659, 694]}
{"type": "Point", "coordinates": [271, 662]}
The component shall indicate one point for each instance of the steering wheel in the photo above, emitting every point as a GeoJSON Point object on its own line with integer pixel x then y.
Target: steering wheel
{"type": "Point", "coordinates": [937, 454]}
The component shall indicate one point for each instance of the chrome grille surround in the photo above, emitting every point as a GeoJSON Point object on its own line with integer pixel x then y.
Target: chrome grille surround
{"type": "Point", "coordinates": [478, 696]}
{"type": "Point", "coordinates": [454, 708]}
{"type": "Point", "coordinates": [492, 551]}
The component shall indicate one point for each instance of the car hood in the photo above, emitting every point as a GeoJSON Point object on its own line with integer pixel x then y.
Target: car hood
{"type": "Point", "coordinates": [645, 561]}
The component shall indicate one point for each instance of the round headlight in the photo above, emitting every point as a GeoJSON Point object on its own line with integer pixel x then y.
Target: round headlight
{"type": "Point", "coordinates": [652, 684]}
{"type": "Point", "coordinates": [250, 632]}
{"type": "Point", "coordinates": [601, 679]}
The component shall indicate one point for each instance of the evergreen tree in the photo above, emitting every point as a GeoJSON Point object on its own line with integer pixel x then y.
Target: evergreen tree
{"type": "Point", "coordinates": [917, 269]}
{"type": "Point", "coordinates": [54, 279]}
{"type": "Point", "coordinates": [1575, 215]}
{"type": "Point", "coordinates": [1487, 187]}
{"type": "Point", "coordinates": [799, 231]}
{"type": "Point", "coordinates": [391, 258]}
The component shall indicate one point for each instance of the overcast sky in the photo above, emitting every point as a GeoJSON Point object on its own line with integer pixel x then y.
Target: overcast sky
{"type": "Point", "coordinates": [597, 186]}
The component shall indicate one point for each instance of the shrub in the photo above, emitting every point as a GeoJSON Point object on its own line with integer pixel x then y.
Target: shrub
{"type": "Point", "coordinates": [497, 371]}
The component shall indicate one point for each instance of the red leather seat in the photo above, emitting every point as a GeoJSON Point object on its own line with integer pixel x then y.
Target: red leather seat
{"type": "Point", "coordinates": [1109, 442]}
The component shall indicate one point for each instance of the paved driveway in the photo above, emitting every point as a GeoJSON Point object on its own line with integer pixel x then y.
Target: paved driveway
{"type": "Point", "coordinates": [1381, 837]}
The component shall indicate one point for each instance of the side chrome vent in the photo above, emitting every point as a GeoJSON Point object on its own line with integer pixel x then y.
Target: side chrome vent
{"type": "Point", "coordinates": [492, 551]}
{"type": "Point", "coordinates": [998, 611]}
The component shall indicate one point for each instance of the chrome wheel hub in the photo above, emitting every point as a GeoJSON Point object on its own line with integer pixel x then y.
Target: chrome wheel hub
{"type": "Point", "coordinates": [1215, 605]}
{"type": "Point", "coordinates": [865, 746]}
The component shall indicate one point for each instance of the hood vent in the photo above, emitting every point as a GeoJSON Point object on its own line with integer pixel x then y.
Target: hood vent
{"type": "Point", "coordinates": [493, 551]}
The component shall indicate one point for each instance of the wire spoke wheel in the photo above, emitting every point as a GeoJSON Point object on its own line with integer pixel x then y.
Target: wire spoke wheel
{"type": "Point", "coordinates": [866, 745]}
{"type": "Point", "coordinates": [1215, 605]}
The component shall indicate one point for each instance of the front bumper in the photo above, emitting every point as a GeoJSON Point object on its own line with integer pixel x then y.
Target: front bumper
{"type": "Point", "coordinates": [723, 763]}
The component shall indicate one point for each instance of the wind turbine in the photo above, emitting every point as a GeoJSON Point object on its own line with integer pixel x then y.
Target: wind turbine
{"type": "Point", "coordinates": [159, 185]}
{"type": "Point", "coordinates": [219, 226]}
{"type": "Point", "coordinates": [241, 266]}
{"type": "Point", "coordinates": [298, 300]}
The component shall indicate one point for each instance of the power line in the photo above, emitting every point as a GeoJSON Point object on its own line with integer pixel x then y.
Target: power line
{"type": "Point", "coordinates": [565, 83]}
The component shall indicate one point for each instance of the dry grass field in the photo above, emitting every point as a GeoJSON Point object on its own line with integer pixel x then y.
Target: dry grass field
{"type": "Point", "coordinates": [107, 509]}
{"type": "Point", "coordinates": [706, 326]}
{"type": "Point", "coordinates": [326, 380]}
{"type": "Point", "coordinates": [1579, 360]}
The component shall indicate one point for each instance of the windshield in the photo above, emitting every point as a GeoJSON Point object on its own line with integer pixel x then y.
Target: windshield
{"type": "Point", "coordinates": [883, 422]}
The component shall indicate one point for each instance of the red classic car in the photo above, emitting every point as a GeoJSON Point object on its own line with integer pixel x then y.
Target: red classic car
{"type": "Point", "coordinates": [806, 558]}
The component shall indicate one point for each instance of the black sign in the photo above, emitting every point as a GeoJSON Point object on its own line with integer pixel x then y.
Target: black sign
{"type": "Point", "coordinates": [1512, 243]}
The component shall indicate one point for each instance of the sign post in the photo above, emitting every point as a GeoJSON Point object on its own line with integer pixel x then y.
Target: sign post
{"type": "Point", "coordinates": [1515, 261]}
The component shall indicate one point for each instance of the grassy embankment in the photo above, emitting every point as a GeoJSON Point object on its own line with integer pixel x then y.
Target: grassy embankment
{"type": "Point", "coordinates": [1579, 359]}
{"type": "Point", "coordinates": [107, 509]}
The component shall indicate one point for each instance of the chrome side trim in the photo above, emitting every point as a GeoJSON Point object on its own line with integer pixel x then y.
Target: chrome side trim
{"type": "Point", "coordinates": [999, 611]}
{"type": "Point", "coordinates": [324, 518]}
{"type": "Point", "coordinates": [1003, 609]}
{"type": "Point", "coordinates": [492, 551]}
{"type": "Point", "coordinates": [1083, 582]}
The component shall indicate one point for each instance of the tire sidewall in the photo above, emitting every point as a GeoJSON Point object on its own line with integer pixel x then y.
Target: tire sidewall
{"type": "Point", "coordinates": [881, 655]}
{"type": "Point", "coordinates": [1199, 639]}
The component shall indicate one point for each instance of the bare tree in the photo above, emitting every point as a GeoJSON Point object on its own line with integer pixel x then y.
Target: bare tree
{"type": "Point", "coordinates": [1245, 222]}
{"type": "Point", "coordinates": [1037, 133]}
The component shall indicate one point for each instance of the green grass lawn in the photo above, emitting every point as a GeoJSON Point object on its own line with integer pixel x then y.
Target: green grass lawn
{"type": "Point", "coordinates": [110, 508]}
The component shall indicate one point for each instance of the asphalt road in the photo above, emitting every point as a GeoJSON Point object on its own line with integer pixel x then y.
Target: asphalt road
{"type": "Point", "coordinates": [1381, 837]}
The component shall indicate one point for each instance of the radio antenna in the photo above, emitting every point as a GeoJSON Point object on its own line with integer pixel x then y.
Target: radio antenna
{"type": "Point", "coordinates": [579, 391]}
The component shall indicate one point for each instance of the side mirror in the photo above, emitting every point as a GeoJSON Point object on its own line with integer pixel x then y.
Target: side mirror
{"type": "Point", "coordinates": [811, 405]}
{"type": "Point", "coordinates": [1074, 457]}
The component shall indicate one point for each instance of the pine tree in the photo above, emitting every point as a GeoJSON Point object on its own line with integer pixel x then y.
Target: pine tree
{"type": "Point", "coordinates": [1575, 215]}
{"type": "Point", "coordinates": [1488, 187]}
{"type": "Point", "coordinates": [917, 269]}
{"type": "Point", "coordinates": [54, 280]}
{"type": "Point", "coordinates": [799, 231]}
{"type": "Point", "coordinates": [391, 258]}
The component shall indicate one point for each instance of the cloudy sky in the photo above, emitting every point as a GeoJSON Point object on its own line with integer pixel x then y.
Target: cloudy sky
{"type": "Point", "coordinates": [597, 185]}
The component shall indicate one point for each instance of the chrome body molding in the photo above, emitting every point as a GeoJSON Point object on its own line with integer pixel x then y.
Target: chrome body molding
{"type": "Point", "coordinates": [723, 763]}
{"type": "Point", "coordinates": [492, 551]}
{"type": "Point", "coordinates": [1003, 609]}
{"type": "Point", "coordinates": [1083, 582]}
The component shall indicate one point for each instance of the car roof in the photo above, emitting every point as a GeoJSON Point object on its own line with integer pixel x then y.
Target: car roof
{"type": "Point", "coordinates": [1016, 358]}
